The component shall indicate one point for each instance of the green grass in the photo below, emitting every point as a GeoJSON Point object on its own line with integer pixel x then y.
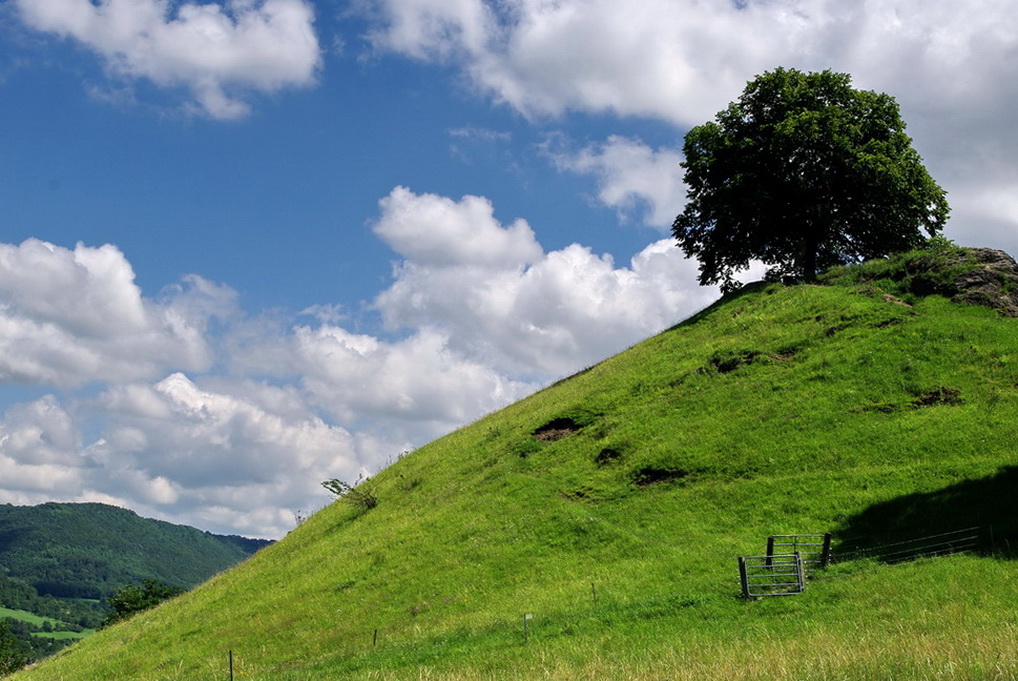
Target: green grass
{"type": "Point", "coordinates": [38, 621]}
{"type": "Point", "coordinates": [25, 616]}
{"type": "Point", "coordinates": [778, 410]}
{"type": "Point", "coordinates": [64, 635]}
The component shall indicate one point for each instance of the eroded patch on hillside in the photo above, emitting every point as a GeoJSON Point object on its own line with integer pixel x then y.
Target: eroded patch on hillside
{"type": "Point", "coordinates": [556, 429]}
{"type": "Point", "coordinates": [608, 455]}
{"type": "Point", "coordinates": [653, 475]}
{"type": "Point", "coordinates": [940, 395]}
{"type": "Point", "coordinates": [728, 361]}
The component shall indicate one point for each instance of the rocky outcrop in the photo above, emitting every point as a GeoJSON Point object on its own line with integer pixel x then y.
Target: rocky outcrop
{"type": "Point", "coordinates": [993, 281]}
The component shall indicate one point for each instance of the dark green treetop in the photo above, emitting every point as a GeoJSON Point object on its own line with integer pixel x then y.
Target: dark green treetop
{"type": "Point", "coordinates": [13, 655]}
{"type": "Point", "coordinates": [803, 172]}
{"type": "Point", "coordinates": [131, 599]}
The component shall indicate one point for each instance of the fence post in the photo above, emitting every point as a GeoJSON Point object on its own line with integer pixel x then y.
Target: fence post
{"type": "Point", "coordinates": [825, 556]}
{"type": "Point", "coordinates": [743, 577]}
{"type": "Point", "coordinates": [770, 549]}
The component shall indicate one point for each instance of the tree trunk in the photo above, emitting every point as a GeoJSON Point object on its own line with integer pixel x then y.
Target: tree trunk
{"type": "Point", "coordinates": [807, 261]}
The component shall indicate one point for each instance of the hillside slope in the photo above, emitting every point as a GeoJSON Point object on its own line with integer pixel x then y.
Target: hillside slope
{"type": "Point", "coordinates": [91, 550]}
{"type": "Point", "coordinates": [591, 530]}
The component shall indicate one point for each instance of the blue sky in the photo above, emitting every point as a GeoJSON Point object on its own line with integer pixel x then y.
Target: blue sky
{"type": "Point", "coordinates": [249, 245]}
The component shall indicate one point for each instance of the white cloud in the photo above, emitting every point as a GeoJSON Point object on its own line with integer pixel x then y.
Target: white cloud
{"type": "Point", "coordinates": [682, 60]}
{"type": "Point", "coordinates": [175, 450]}
{"type": "Point", "coordinates": [457, 233]}
{"type": "Point", "coordinates": [631, 176]}
{"type": "Point", "coordinates": [218, 51]}
{"type": "Point", "coordinates": [543, 314]}
{"type": "Point", "coordinates": [951, 66]}
{"type": "Point", "coordinates": [38, 435]}
{"type": "Point", "coordinates": [656, 58]}
{"type": "Point", "coordinates": [72, 316]}
{"type": "Point", "coordinates": [234, 430]}
{"type": "Point", "coordinates": [432, 29]}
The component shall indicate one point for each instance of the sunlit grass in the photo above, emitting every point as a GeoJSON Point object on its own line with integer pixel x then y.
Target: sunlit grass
{"type": "Point", "coordinates": [783, 410]}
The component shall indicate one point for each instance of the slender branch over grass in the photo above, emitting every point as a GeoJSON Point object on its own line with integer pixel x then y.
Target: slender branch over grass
{"type": "Point", "coordinates": [357, 494]}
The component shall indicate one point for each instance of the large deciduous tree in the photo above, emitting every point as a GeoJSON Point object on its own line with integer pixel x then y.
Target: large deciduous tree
{"type": "Point", "coordinates": [803, 172]}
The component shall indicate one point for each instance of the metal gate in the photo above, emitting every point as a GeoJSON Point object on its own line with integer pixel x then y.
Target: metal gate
{"type": "Point", "coordinates": [814, 548]}
{"type": "Point", "coordinates": [777, 574]}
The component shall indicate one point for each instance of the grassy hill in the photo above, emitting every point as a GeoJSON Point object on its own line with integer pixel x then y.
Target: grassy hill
{"type": "Point", "coordinates": [591, 530]}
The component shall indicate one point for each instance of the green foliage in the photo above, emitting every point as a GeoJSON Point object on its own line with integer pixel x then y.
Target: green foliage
{"type": "Point", "coordinates": [359, 494]}
{"type": "Point", "coordinates": [88, 550]}
{"type": "Point", "coordinates": [803, 172]}
{"type": "Point", "coordinates": [58, 561]}
{"type": "Point", "coordinates": [912, 275]}
{"type": "Point", "coordinates": [131, 599]}
{"type": "Point", "coordinates": [13, 655]}
{"type": "Point", "coordinates": [74, 613]}
{"type": "Point", "coordinates": [838, 410]}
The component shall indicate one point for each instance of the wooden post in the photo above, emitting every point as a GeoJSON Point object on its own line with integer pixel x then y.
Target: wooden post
{"type": "Point", "coordinates": [770, 549]}
{"type": "Point", "coordinates": [374, 641]}
{"type": "Point", "coordinates": [231, 665]}
{"type": "Point", "coordinates": [743, 577]}
{"type": "Point", "coordinates": [825, 556]}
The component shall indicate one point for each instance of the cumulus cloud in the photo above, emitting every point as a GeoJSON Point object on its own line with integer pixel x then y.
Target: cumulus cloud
{"type": "Point", "coordinates": [682, 60]}
{"type": "Point", "coordinates": [458, 233]}
{"type": "Point", "coordinates": [657, 58]}
{"type": "Point", "coordinates": [631, 176]}
{"type": "Point", "coordinates": [542, 314]}
{"type": "Point", "coordinates": [231, 426]}
{"type": "Point", "coordinates": [178, 451]}
{"type": "Point", "coordinates": [72, 316]}
{"type": "Point", "coordinates": [418, 380]}
{"type": "Point", "coordinates": [179, 446]}
{"type": "Point", "coordinates": [950, 65]}
{"type": "Point", "coordinates": [218, 51]}
{"type": "Point", "coordinates": [39, 447]}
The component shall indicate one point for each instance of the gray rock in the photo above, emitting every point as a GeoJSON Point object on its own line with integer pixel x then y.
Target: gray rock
{"type": "Point", "coordinates": [993, 282]}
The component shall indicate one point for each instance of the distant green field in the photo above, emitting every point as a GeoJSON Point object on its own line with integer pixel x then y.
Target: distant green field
{"type": "Point", "coordinates": [25, 616]}
{"type": "Point", "coordinates": [64, 635]}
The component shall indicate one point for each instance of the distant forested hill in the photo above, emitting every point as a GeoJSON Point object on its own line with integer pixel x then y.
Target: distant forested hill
{"type": "Point", "coordinates": [90, 550]}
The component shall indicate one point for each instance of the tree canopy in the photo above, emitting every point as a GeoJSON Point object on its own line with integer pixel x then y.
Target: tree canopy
{"type": "Point", "coordinates": [803, 172]}
{"type": "Point", "coordinates": [13, 655]}
{"type": "Point", "coordinates": [131, 599]}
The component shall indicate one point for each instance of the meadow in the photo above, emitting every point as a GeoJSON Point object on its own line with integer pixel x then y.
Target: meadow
{"type": "Point", "coordinates": [592, 530]}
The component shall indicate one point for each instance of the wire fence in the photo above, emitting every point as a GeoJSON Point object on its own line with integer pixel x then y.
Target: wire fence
{"type": "Point", "coordinates": [946, 543]}
{"type": "Point", "coordinates": [792, 559]}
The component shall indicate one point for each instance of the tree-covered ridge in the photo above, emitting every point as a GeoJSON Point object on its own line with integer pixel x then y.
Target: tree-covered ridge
{"type": "Point", "coordinates": [91, 550]}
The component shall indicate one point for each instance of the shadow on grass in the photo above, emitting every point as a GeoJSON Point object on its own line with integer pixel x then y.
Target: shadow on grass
{"type": "Point", "coordinates": [989, 504]}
